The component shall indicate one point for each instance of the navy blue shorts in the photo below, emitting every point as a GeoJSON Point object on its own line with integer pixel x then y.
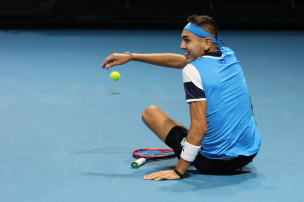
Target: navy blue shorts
{"type": "Point", "coordinates": [201, 163]}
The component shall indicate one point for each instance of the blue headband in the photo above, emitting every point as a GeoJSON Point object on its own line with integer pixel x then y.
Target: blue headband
{"type": "Point", "coordinates": [200, 32]}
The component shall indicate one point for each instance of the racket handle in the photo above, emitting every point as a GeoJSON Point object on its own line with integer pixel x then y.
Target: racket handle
{"type": "Point", "coordinates": [138, 162]}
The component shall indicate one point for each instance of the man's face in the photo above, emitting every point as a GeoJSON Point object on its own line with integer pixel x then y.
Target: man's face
{"type": "Point", "coordinates": [193, 46]}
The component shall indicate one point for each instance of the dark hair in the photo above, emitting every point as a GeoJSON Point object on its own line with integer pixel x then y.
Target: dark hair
{"type": "Point", "coordinates": [205, 22]}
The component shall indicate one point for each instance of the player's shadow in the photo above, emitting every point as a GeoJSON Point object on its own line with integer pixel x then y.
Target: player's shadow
{"type": "Point", "coordinates": [193, 171]}
{"type": "Point", "coordinates": [142, 173]}
{"type": "Point", "coordinates": [240, 171]}
{"type": "Point", "coordinates": [193, 180]}
{"type": "Point", "coordinates": [203, 181]}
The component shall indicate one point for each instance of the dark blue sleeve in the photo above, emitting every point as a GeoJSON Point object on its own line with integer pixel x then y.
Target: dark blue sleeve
{"type": "Point", "coordinates": [193, 92]}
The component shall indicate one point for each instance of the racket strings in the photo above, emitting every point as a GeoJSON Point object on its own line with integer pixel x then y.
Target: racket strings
{"type": "Point", "coordinates": [156, 153]}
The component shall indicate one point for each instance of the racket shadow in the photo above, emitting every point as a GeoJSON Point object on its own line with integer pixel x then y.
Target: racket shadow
{"type": "Point", "coordinates": [104, 151]}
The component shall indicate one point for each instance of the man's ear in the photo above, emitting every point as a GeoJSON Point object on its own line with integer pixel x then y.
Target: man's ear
{"type": "Point", "coordinates": [208, 43]}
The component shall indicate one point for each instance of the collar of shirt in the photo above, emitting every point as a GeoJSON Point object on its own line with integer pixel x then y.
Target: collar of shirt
{"type": "Point", "coordinates": [214, 54]}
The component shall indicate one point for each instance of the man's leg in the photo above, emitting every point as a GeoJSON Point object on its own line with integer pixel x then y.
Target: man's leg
{"type": "Point", "coordinates": [158, 122]}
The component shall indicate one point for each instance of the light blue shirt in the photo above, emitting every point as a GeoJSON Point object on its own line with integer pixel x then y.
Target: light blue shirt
{"type": "Point", "coordinates": [231, 128]}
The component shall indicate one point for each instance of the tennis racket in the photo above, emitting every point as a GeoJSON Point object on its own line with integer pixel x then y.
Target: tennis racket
{"type": "Point", "coordinates": [150, 154]}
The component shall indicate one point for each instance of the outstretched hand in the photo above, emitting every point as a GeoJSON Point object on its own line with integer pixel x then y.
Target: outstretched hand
{"type": "Point", "coordinates": [116, 59]}
{"type": "Point", "coordinates": [162, 175]}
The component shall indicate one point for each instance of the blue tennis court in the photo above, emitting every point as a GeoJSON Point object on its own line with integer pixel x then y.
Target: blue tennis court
{"type": "Point", "coordinates": [67, 132]}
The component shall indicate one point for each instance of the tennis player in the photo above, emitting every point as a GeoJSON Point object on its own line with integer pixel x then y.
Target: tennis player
{"type": "Point", "coordinates": [223, 135]}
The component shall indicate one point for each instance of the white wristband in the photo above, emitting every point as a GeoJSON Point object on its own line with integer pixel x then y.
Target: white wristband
{"type": "Point", "coordinates": [189, 152]}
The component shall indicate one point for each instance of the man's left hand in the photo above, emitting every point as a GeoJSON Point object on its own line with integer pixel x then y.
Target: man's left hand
{"type": "Point", "coordinates": [162, 175]}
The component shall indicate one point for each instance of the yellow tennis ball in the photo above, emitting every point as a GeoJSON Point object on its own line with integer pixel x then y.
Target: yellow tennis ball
{"type": "Point", "coordinates": [115, 76]}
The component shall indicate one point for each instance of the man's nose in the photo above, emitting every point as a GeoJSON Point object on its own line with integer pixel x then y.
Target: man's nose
{"type": "Point", "coordinates": [182, 46]}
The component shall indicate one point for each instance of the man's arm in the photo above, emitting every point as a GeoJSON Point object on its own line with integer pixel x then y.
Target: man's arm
{"type": "Point", "coordinates": [197, 130]}
{"type": "Point", "coordinates": [195, 136]}
{"type": "Point", "coordinates": [161, 59]}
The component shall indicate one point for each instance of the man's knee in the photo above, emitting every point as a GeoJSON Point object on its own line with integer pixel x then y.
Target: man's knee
{"type": "Point", "coordinates": [149, 111]}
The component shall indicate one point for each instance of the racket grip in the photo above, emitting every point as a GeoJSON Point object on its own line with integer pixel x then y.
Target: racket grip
{"type": "Point", "coordinates": [138, 162]}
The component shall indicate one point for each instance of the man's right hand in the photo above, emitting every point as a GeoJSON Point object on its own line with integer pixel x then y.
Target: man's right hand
{"type": "Point", "coordinates": [116, 59]}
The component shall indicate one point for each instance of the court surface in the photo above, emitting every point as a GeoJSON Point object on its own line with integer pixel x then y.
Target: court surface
{"type": "Point", "coordinates": [67, 132]}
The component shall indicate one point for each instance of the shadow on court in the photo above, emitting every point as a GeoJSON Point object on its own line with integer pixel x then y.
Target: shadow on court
{"type": "Point", "coordinates": [208, 182]}
{"type": "Point", "coordinates": [105, 151]}
{"type": "Point", "coordinates": [111, 175]}
{"type": "Point", "coordinates": [191, 183]}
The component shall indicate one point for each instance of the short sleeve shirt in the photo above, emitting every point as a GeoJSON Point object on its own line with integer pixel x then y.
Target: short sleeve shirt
{"type": "Point", "coordinates": [218, 79]}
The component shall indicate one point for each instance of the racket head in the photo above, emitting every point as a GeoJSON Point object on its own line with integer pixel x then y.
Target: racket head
{"type": "Point", "coordinates": [154, 153]}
